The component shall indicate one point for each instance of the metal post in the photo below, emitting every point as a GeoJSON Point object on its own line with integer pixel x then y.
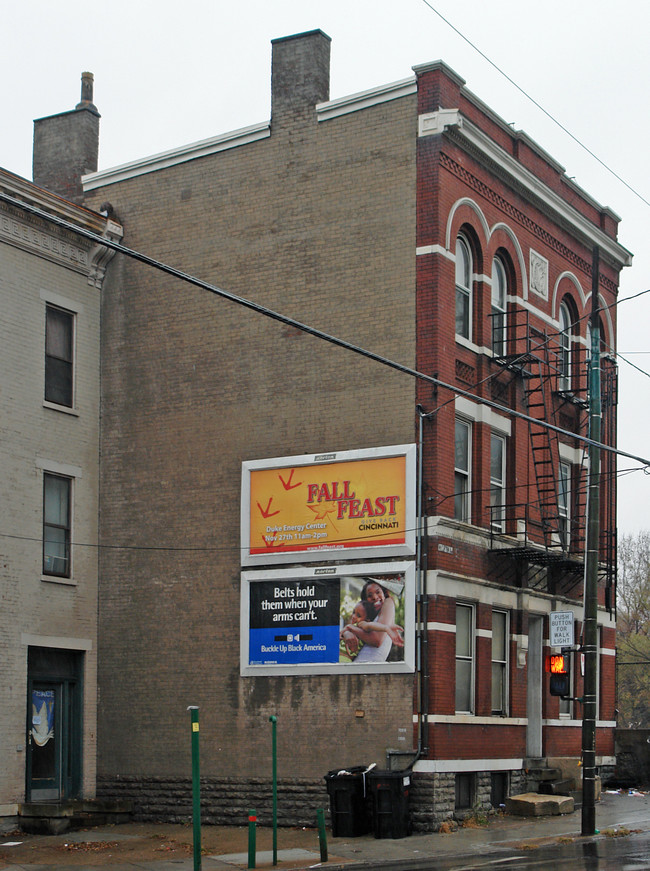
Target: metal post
{"type": "Point", "coordinates": [196, 786]}
{"type": "Point", "coordinates": [322, 835]}
{"type": "Point", "coordinates": [274, 722]}
{"type": "Point", "coordinates": [252, 837]}
{"type": "Point", "coordinates": [590, 640]}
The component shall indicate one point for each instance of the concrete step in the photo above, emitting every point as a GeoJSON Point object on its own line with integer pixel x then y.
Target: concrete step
{"type": "Point", "coordinates": [556, 787]}
{"type": "Point", "coordinates": [543, 774]}
{"type": "Point", "coordinates": [532, 804]}
{"type": "Point", "coordinates": [54, 818]}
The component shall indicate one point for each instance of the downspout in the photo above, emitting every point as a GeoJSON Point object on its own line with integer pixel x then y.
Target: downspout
{"type": "Point", "coordinates": [422, 556]}
{"type": "Point", "coordinates": [421, 614]}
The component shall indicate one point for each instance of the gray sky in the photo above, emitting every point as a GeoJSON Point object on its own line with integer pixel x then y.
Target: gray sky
{"type": "Point", "coordinates": [170, 73]}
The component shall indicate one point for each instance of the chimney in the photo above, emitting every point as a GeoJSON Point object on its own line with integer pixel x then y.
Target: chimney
{"type": "Point", "coordinates": [66, 146]}
{"type": "Point", "coordinates": [300, 75]}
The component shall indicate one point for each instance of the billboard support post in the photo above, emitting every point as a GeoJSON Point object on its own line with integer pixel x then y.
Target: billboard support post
{"type": "Point", "coordinates": [196, 786]}
{"type": "Point", "coordinates": [274, 755]}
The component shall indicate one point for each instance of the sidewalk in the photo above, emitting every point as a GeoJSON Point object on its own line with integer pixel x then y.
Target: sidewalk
{"type": "Point", "coordinates": [160, 847]}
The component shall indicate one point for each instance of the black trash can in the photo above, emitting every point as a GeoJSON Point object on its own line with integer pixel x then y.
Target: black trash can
{"type": "Point", "coordinates": [348, 805]}
{"type": "Point", "coordinates": [389, 800]}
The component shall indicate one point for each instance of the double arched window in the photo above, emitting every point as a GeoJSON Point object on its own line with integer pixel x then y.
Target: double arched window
{"type": "Point", "coordinates": [463, 288]}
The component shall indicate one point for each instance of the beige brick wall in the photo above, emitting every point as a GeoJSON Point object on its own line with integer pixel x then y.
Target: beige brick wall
{"type": "Point", "coordinates": [317, 222]}
{"type": "Point", "coordinates": [33, 438]}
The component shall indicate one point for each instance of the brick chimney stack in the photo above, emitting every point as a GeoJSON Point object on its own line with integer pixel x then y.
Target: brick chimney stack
{"type": "Point", "coordinates": [66, 146]}
{"type": "Point", "coordinates": [300, 75]}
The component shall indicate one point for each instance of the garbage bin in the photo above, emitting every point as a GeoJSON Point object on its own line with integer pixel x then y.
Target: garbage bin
{"type": "Point", "coordinates": [348, 805]}
{"type": "Point", "coordinates": [389, 800]}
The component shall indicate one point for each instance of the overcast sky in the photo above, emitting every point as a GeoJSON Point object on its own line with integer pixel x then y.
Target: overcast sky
{"type": "Point", "coordinates": [169, 73]}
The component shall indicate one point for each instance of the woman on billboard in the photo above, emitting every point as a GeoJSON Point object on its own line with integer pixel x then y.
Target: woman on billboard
{"type": "Point", "coordinates": [375, 636]}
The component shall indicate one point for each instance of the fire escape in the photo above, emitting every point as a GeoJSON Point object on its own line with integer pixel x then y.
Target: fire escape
{"type": "Point", "coordinates": [541, 545]}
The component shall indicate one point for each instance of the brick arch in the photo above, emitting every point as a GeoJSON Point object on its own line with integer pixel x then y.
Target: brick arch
{"type": "Point", "coordinates": [504, 243]}
{"type": "Point", "coordinates": [560, 292]}
{"type": "Point", "coordinates": [607, 327]}
{"type": "Point", "coordinates": [466, 213]}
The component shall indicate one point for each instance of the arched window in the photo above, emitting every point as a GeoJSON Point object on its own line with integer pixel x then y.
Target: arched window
{"type": "Point", "coordinates": [463, 289]}
{"type": "Point", "coordinates": [564, 381]}
{"type": "Point", "coordinates": [498, 311]}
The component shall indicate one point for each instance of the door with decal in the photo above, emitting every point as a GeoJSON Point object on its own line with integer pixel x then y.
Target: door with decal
{"type": "Point", "coordinates": [44, 742]}
{"type": "Point", "coordinates": [53, 725]}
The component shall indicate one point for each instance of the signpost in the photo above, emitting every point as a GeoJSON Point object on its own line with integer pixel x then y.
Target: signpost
{"type": "Point", "coordinates": [561, 629]}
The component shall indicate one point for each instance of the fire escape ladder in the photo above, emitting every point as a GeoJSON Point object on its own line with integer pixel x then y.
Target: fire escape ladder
{"type": "Point", "coordinates": [544, 442]}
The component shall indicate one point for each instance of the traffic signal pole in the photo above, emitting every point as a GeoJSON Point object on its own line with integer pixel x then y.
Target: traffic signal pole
{"type": "Point", "coordinates": [590, 595]}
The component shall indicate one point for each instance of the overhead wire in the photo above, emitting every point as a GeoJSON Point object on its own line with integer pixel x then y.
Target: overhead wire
{"type": "Point", "coordinates": [306, 328]}
{"type": "Point", "coordinates": [528, 96]}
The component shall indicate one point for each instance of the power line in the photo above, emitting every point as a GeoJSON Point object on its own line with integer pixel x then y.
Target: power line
{"type": "Point", "coordinates": [312, 331]}
{"type": "Point", "coordinates": [536, 103]}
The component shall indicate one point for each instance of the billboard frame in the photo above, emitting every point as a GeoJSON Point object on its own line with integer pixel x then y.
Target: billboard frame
{"type": "Point", "coordinates": [323, 552]}
{"type": "Point", "coordinates": [332, 572]}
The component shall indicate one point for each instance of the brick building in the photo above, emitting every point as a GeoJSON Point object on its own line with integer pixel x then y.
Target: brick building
{"type": "Point", "coordinates": [50, 283]}
{"type": "Point", "coordinates": [411, 221]}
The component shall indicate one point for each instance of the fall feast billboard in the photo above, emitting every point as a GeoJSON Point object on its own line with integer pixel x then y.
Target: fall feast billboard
{"type": "Point", "coordinates": [350, 504]}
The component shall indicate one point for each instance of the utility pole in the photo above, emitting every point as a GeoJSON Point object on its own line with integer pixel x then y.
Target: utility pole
{"type": "Point", "coordinates": [592, 555]}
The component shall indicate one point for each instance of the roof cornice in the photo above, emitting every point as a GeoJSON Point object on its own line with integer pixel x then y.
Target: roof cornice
{"type": "Point", "coordinates": [366, 99]}
{"type": "Point", "coordinates": [469, 136]}
{"type": "Point", "coordinates": [165, 159]}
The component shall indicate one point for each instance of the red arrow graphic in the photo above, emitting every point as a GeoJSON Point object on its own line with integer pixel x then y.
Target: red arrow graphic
{"type": "Point", "coordinates": [270, 542]}
{"type": "Point", "coordinates": [287, 484]}
{"type": "Point", "coordinates": [267, 512]}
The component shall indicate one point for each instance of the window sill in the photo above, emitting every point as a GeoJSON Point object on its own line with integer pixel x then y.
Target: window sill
{"type": "Point", "coordinates": [467, 343]}
{"type": "Point", "coordinates": [54, 579]}
{"type": "Point", "coordinates": [62, 408]}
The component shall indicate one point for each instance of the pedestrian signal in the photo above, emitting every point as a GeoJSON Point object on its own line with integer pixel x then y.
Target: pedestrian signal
{"type": "Point", "coordinates": [557, 664]}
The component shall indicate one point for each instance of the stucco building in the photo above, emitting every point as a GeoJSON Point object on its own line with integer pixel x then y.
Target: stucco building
{"type": "Point", "coordinates": [50, 284]}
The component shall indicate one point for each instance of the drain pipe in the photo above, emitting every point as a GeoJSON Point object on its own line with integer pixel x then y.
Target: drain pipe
{"type": "Point", "coordinates": [423, 597]}
{"type": "Point", "coordinates": [421, 613]}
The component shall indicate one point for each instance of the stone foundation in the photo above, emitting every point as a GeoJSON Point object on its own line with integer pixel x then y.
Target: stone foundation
{"type": "Point", "coordinates": [228, 801]}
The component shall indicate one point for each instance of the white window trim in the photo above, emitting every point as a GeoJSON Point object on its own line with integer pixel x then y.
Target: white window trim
{"type": "Point", "coordinates": [497, 264]}
{"type": "Point", "coordinates": [565, 379]}
{"type": "Point", "coordinates": [62, 471]}
{"type": "Point", "coordinates": [505, 664]}
{"type": "Point", "coordinates": [53, 300]}
{"type": "Point", "coordinates": [468, 475]}
{"type": "Point", "coordinates": [501, 524]}
{"type": "Point", "coordinates": [564, 511]}
{"type": "Point", "coordinates": [472, 658]}
{"type": "Point", "coordinates": [467, 291]}
{"type": "Point", "coordinates": [477, 413]}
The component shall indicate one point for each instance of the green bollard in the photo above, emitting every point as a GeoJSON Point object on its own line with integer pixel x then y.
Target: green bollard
{"type": "Point", "coordinates": [322, 836]}
{"type": "Point", "coordinates": [252, 822]}
{"type": "Point", "coordinates": [274, 722]}
{"type": "Point", "coordinates": [196, 786]}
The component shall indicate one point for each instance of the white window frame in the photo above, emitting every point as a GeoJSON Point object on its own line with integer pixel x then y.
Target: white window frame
{"type": "Point", "coordinates": [566, 339]}
{"type": "Point", "coordinates": [564, 503]}
{"type": "Point", "coordinates": [498, 485]}
{"type": "Point", "coordinates": [51, 306]}
{"type": "Point", "coordinates": [466, 656]}
{"type": "Point", "coordinates": [502, 663]}
{"type": "Point", "coordinates": [499, 296]}
{"type": "Point", "coordinates": [463, 498]}
{"type": "Point", "coordinates": [67, 527]}
{"type": "Point", "coordinates": [463, 289]}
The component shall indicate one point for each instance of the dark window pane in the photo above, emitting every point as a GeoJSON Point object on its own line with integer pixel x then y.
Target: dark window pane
{"type": "Point", "coordinates": [56, 526]}
{"type": "Point", "coordinates": [58, 356]}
